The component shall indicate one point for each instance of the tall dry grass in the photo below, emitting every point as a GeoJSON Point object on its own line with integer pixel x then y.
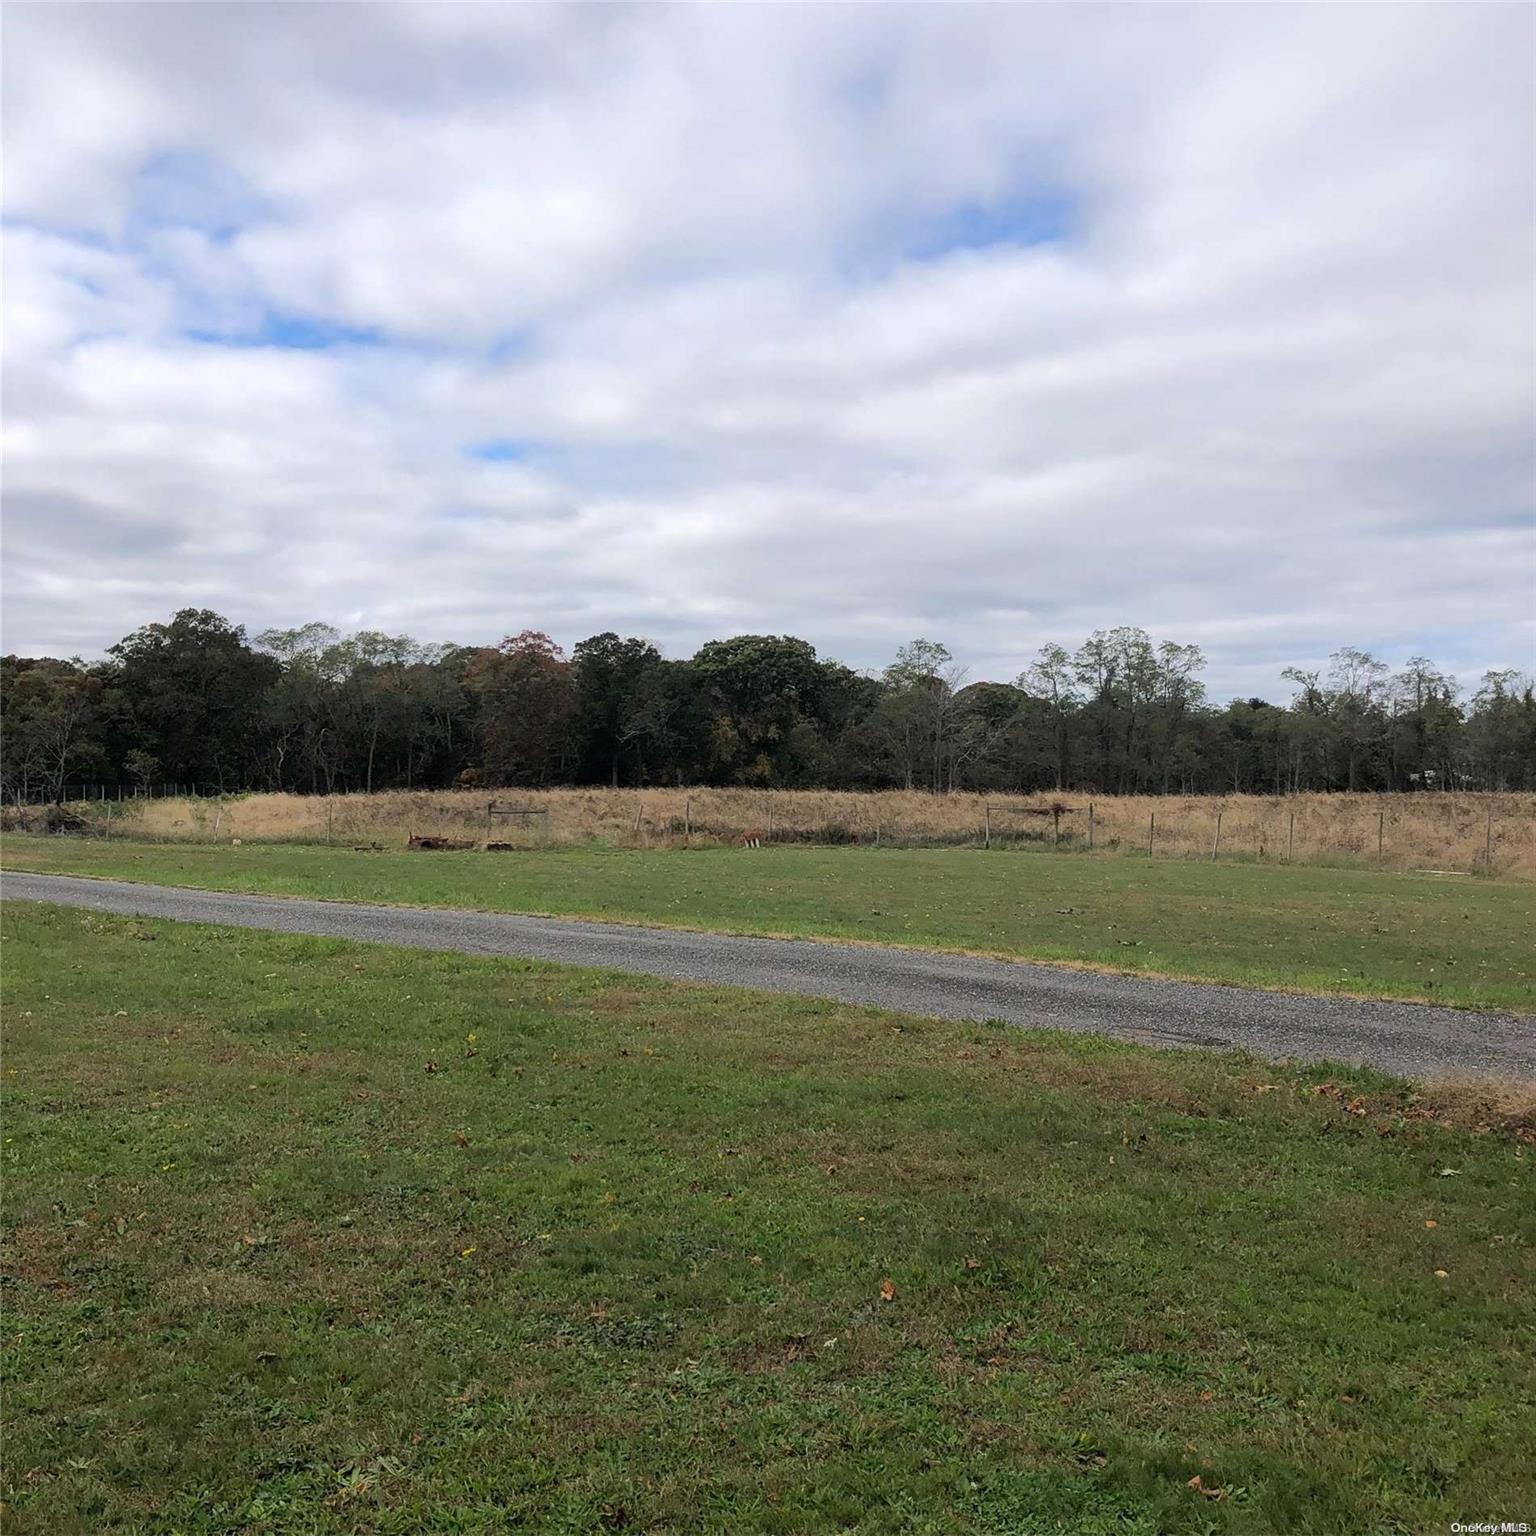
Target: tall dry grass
{"type": "Point", "coordinates": [1428, 831]}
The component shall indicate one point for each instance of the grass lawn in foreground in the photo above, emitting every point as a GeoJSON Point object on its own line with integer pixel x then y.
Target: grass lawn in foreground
{"type": "Point", "coordinates": [312, 1237]}
{"type": "Point", "coordinates": [1463, 942]}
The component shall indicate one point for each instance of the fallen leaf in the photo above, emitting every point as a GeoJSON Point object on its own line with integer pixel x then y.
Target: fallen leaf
{"type": "Point", "coordinates": [973, 1263]}
{"type": "Point", "coordinates": [1431, 1224]}
{"type": "Point", "coordinates": [1441, 1274]}
{"type": "Point", "coordinates": [887, 1291]}
{"type": "Point", "coordinates": [460, 1138]}
{"type": "Point", "coordinates": [1199, 1487]}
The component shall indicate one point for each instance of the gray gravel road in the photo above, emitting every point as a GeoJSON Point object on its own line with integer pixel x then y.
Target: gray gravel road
{"type": "Point", "coordinates": [1406, 1038]}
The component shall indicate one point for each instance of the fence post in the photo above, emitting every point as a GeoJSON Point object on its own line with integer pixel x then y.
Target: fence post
{"type": "Point", "coordinates": [1381, 827]}
{"type": "Point", "coordinates": [688, 817]}
{"type": "Point", "coordinates": [769, 835]}
{"type": "Point", "coordinates": [1090, 826]}
{"type": "Point", "coordinates": [1488, 841]}
{"type": "Point", "coordinates": [877, 834]}
{"type": "Point", "coordinates": [1151, 831]}
{"type": "Point", "coordinates": [488, 806]}
{"type": "Point", "coordinates": [1290, 841]}
{"type": "Point", "coordinates": [639, 806]}
{"type": "Point", "coordinates": [1055, 825]}
{"type": "Point", "coordinates": [109, 821]}
{"type": "Point", "coordinates": [330, 810]}
{"type": "Point", "coordinates": [986, 826]}
{"type": "Point", "coordinates": [1216, 841]}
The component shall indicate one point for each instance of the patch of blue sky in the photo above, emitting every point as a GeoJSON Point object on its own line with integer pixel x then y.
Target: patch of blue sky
{"type": "Point", "coordinates": [866, 89]}
{"type": "Point", "coordinates": [186, 190]}
{"type": "Point", "coordinates": [277, 328]}
{"type": "Point", "coordinates": [1036, 216]}
{"type": "Point", "coordinates": [503, 450]}
{"type": "Point", "coordinates": [510, 344]}
{"type": "Point", "coordinates": [594, 468]}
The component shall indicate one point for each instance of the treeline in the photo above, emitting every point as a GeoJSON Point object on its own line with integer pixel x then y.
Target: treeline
{"type": "Point", "coordinates": [195, 702]}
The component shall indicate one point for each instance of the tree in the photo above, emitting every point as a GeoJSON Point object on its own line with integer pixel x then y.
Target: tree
{"type": "Point", "coordinates": [195, 693]}
{"type": "Point", "coordinates": [527, 703]}
{"type": "Point", "coordinates": [1501, 731]}
{"type": "Point", "coordinates": [916, 717]}
{"type": "Point", "coordinates": [1051, 677]}
{"type": "Point", "coordinates": [52, 725]}
{"type": "Point", "coordinates": [1355, 700]}
{"type": "Point", "coordinates": [1425, 725]}
{"type": "Point", "coordinates": [314, 709]}
{"type": "Point", "coordinates": [608, 673]}
{"type": "Point", "coordinates": [1120, 669]}
{"type": "Point", "coordinates": [760, 688]}
{"type": "Point", "coordinates": [303, 734]}
{"type": "Point", "coordinates": [374, 668]}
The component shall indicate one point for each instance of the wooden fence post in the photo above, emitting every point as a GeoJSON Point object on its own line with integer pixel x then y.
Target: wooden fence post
{"type": "Point", "coordinates": [986, 826]}
{"type": "Point", "coordinates": [1090, 826]}
{"type": "Point", "coordinates": [1290, 841]}
{"type": "Point", "coordinates": [877, 834]}
{"type": "Point", "coordinates": [1216, 841]}
{"type": "Point", "coordinates": [1055, 825]}
{"type": "Point", "coordinates": [688, 817]}
{"type": "Point", "coordinates": [1151, 831]}
{"type": "Point", "coordinates": [639, 807]}
{"type": "Point", "coordinates": [1488, 841]}
{"type": "Point", "coordinates": [1381, 827]}
{"type": "Point", "coordinates": [109, 821]}
{"type": "Point", "coordinates": [330, 810]}
{"type": "Point", "coordinates": [489, 806]}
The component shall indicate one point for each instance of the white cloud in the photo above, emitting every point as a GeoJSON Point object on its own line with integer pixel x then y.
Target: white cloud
{"type": "Point", "coordinates": [998, 324]}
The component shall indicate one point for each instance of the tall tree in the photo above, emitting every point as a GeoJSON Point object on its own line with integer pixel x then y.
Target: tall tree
{"type": "Point", "coordinates": [608, 673]}
{"type": "Point", "coordinates": [196, 692]}
{"type": "Point", "coordinates": [50, 726]}
{"type": "Point", "coordinates": [761, 688]}
{"type": "Point", "coordinates": [1052, 678]}
{"type": "Point", "coordinates": [527, 704]}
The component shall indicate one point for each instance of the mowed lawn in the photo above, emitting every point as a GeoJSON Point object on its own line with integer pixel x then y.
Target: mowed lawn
{"type": "Point", "coordinates": [1465, 942]}
{"type": "Point", "coordinates": [311, 1237]}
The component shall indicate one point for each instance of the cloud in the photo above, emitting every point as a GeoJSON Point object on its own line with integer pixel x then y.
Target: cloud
{"type": "Point", "coordinates": [996, 324]}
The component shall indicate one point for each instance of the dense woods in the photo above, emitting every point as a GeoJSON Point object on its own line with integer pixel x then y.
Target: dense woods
{"type": "Point", "coordinates": [196, 702]}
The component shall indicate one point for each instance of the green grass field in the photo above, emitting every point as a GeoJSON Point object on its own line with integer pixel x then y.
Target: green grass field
{"type": "Point", "coordinates": [1463, 942]}
{"type": "Point", "coordinates": [309, 1237]}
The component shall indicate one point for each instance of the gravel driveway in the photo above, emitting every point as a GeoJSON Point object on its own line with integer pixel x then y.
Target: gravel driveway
{"type": "Point", "coordinates": [1408, 1038]}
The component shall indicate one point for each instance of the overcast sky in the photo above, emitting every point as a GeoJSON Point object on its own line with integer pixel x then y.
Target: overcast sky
{"type": "Point", "coordinates": [991, 325]}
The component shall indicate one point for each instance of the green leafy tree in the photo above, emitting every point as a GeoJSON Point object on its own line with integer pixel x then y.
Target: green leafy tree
{"type": "Point", "coordinates": [608, 672]}
{"type": "Point", "coordinates": [195, 694]}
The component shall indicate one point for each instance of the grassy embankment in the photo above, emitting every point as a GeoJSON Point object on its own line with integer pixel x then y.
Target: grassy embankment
{"type": "Point", "coordinates": [1463, 942]}
{"type": "Point", "coordinates": [1421, 831]}
{"type": "Point", "coordinates": [312, 1237]}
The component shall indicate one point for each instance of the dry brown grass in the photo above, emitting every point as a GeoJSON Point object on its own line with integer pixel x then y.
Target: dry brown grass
{"type": "Point", "coordinates": [1430, 831]}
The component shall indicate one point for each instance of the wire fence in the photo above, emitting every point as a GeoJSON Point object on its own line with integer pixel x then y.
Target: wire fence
{"type": "Point", "coordinates": [1486, 834]}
